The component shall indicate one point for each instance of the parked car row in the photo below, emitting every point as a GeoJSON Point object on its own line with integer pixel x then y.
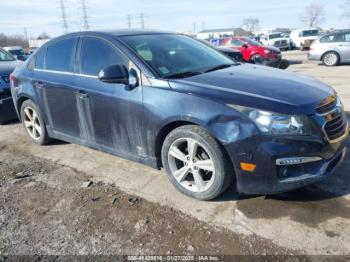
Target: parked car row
{"type": "Point", "coordinates": [167, 100]}
{"type": "Point", "coordinates": [251, 50]}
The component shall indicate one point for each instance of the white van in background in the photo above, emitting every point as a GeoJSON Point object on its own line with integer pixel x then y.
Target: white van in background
{"type": "Point", "coordinates": [302, 39]}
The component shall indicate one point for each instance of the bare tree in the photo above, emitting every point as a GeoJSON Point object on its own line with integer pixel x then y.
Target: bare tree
{"type": "Point", "coordinates": [251, 24]}
{"type": "Point", "coordinates": [43, 35]}
{"type": "Point", "coordinates": [314, 15]}
{"type": "Point", "coordinates": [15, 40]}
{"type": "Point", "coordinates": [346, 11]}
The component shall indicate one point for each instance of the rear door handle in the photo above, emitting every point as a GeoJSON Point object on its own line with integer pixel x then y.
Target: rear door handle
{"type": "Point", "coordinates": [82, 94]}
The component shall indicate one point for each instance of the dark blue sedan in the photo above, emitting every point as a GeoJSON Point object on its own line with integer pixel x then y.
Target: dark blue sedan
{"type": "Point", "coordinates": [167, 100]}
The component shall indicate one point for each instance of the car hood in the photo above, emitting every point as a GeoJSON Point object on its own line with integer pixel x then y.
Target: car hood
{"type": "Point", "coordinates": [272, 48]}
{"type": "Point", "coordinates": [7, 67]}
{"type": "Point", "coordinates": [258, 87]}
{"type": "Point", "coordinates": [279, 39]}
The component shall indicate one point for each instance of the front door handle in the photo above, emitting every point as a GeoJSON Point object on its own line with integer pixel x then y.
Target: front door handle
{"type": "Point", "coordinates": [82, 94]}
{"type": "Point", "coordinates": [39, 85]}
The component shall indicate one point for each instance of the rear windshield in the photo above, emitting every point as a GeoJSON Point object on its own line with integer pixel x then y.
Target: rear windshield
{"type": "Point", "coordinates": [275, 36]}
{"type": "Point", "coordinates": [311, 33]}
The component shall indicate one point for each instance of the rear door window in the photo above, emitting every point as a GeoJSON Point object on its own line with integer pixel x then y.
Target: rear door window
{"type": "Point", "coordinates": [347, 37]}
{"type": "Point", "coordinates": [97, 54]}
{"type": "Point", "coordinates": [40, 59]}
{"type": "Point", "coordinates": [339, 38]}
{"type": "Point", "coordinates": [60, 55]}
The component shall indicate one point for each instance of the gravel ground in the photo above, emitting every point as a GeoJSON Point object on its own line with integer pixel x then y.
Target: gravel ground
{"type": "Point", "coordinates": [49, 209]}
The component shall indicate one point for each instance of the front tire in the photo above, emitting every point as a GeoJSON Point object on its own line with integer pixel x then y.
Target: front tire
{"type": "Point", "coordinates": [33, 123]}
{"type": "Point", "coordinates": [256, 59]}
{"type": "Point", "coordinates": [195, 163]}
{"type": "Point", "coordinates": [330, 59]}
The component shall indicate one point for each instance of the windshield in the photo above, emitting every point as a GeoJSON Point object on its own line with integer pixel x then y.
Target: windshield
{"type": "Point", "coordinates": [252, 42]}
{"type": "Point", "coordinates": [172, 55]}
{"type": "Point", "coordinates": [310, 33]}
{"type": "Point", "coordinates": [4, 56]}
{"type": "Point", "coordinates": [275, 36]}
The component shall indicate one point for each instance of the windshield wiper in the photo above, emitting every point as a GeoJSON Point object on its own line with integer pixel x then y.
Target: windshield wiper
{"type": "Point", "coordinates": [218, 67]}
{"type": "Point", "coordinates": [182, 74]}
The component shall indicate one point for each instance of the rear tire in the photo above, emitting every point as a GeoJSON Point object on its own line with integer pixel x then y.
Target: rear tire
{"type": "Point", "coordinates": [330, 59]}
{"type": "Point", "coordinates": [195, 163]}
{"type": "Point", "coordinates": [33, 123]}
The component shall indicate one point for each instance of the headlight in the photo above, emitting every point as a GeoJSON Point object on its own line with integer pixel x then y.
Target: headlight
{"type": "Point", "coordinates": [267, 51]}
{"type": "Point", "coordinates": [276, 124]}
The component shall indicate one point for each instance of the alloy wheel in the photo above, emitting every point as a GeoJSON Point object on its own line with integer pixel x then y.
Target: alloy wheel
{"type": "Point", "coordinates": [330, 59]}
{"type": "Point", "coordinates": [32, 123]}
{"type": "Point", "coordinates": [191, 164]}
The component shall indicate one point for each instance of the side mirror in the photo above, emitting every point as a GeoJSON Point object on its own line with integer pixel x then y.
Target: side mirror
{"type": "Point", "coordinates": [245, 46]}
{"type": "Point", "coordinates": [114, 74]}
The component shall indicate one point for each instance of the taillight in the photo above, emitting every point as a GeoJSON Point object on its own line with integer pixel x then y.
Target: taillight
{"type": "Point", "coordinates": [13, 81]}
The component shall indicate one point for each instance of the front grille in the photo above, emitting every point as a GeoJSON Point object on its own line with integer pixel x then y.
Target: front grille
{"type": "Point", "coordinates": [6, 79]}
{"type": "Point", "coordinates": [280, 43]}
{"type": "Point", "coordinates": [326, 105]}
{"type": "Point", "coordinates": [336, 123]}
{"type": "Point", "coordinates": [336, 127]}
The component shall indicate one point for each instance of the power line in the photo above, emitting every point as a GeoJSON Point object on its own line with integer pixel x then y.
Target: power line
{"type": "Point", "coordinates": [63, 16]}
{"type": "Point", "coordinates": [85, 16]}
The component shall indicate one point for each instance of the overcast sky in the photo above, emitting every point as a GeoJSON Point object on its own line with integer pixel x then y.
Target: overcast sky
{"type": "Point", "coordinates": [177, 15]}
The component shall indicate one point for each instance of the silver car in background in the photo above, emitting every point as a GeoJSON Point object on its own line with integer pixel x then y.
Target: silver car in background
{"type": "Point", "coordinates": [332, 48]}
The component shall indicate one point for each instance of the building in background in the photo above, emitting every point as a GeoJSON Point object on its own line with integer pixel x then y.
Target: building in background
{"type": "Point", "coordinates": [36, 43]}
{"type": "Point", "coordinates": [223, 32]}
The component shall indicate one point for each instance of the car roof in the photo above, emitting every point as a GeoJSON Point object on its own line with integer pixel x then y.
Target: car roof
{"type": "Point", "coordinates": [12, 47]}
{"type": "Point", "coordinates": [119, 32]}
{"type": "Point", "coordinates": [124, 32]}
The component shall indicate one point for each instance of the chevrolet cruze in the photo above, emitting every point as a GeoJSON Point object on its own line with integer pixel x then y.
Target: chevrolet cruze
{"type": "Point", "coordinates": [167, 100]}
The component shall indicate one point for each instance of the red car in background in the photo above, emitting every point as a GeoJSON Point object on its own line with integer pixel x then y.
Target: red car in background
{"type": "Point", "coordinates": [251, 50]}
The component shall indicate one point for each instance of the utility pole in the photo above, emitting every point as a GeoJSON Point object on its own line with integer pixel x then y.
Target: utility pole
{"type": "Point", "coordinates": [25, 33]}
{"type": "Point", "coordinates": [63, 16]}
{"type": "Point", "coordinates": [194, 28]}
{"type": "Point", "coordinates": [203, 25]}
{"type": "Point", "coordinates": [142, 20]}
{"type": "Point", "coordinates": [85, 16]}
{"type": "Point", "coordinates": [129, 21]}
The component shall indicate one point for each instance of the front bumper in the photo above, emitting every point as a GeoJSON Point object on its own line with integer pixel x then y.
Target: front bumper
{"type": "Point", "coordinates": [272, 178]}
{"type": "Point", "coordinates": [7, 109]}
{"type": "Point", "coordinates": [273, 62]}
